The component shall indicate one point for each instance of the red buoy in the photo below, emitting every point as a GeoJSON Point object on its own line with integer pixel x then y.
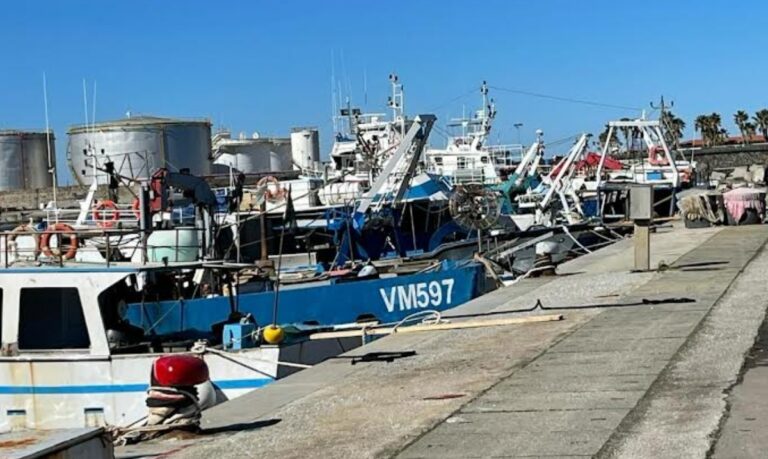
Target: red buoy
{"type": "Point", "coordinates": [180, 370]}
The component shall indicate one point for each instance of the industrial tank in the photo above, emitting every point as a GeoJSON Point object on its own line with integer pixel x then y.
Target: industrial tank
{"type": "Point", "coordinates": [24, 159]}
{"type": "Point", "coordinates": [138, 146]}
{"type": "Point", "coordinates": [252, 155]}
{"type": "Point", "coordinates": [305, 147]}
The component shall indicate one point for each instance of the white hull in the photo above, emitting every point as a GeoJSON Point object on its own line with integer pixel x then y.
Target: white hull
{"type": "Point", "coordinates": [53, 391]}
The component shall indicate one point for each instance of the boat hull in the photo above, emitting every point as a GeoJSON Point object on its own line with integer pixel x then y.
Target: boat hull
{"type": "Point", "coordinates": [333, 302]}
{"type": "Point", "coordinates": [55, 392]}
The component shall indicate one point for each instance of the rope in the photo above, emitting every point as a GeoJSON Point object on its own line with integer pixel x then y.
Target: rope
{"type": "Point", "coordinates": [202, 348]}
{"type": "Point", "coordinates": [566, 99]}
{"type": "Point", "coordinates": [429, 313]}
{"type": "Point", "coordinates": [568, 232]}
{"type": "Point", "coordinates": [163, 419]}
{"type": "Point", "coordinates": [698, 206]}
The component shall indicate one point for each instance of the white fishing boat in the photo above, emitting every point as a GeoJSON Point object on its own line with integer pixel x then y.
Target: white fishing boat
{"type": "Point", "coordinates": [468, 158]}
{"type": "Point", "coordinates": [68, 358]}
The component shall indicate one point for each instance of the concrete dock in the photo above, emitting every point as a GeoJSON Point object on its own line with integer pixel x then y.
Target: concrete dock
{"type": "Point", "coordinates": [644, 364]}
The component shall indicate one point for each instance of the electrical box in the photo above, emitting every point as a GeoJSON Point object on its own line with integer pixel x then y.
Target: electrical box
{"type": "Point", "coordinates": [641, 202]}
{"type": "Point", "coordinates": [239, 336]}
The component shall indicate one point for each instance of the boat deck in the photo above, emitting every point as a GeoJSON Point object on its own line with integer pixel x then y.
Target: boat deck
{"type": "Point", "coordinates": [617, 377]}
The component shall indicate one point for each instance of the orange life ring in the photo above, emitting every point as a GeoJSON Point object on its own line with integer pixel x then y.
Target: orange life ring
{"type": "Point", "coordinates": [272, 196]}
{"type": "Point", "coordinates": [26, 230]}
{"type": "Point", "coordinates": [62, 229]}
{"type": "Point", "coordinates": [157, 186]}
{"type": "Point", "coordinates": [112, 216]}
{"type": "Point", "coordinates": [654, 159]}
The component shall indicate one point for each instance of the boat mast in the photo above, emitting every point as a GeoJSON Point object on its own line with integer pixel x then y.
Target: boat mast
{"type": "Point", "coordinates": [51, 160]}
{"type": "Point", "coordinates": [396, 102]}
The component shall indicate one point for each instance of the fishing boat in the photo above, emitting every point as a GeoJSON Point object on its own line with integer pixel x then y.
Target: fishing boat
{"type": "Point", "coordinates": [70, 359]}
{"type": "Point", "coordinates": [332, 298]}
{"type": "Point", "coordinates": [468, 157]}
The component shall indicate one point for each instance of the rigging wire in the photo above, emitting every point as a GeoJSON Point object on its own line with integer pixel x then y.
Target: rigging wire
{"type": "Point", "coordinates": [449, 102]}
{"type": "Point", "coordinates": [565, 99]}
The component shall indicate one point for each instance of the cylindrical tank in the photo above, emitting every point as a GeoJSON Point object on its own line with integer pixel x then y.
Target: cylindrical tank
{"type": "Point", "coordinates": [253, 155]}
{"type": "Point", "coordinates": [24, 159]}
{"type": "Point", "coordinates": [305, 147]}
{"type": "Point", "coordinates": [138, 146]}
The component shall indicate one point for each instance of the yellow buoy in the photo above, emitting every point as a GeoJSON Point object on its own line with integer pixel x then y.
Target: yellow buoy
{"type": "Point", "coordinates": [273, 334]}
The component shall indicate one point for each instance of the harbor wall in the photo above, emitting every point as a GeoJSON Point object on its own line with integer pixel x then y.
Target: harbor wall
{"type": "Point", "coordinates": [728, 157]}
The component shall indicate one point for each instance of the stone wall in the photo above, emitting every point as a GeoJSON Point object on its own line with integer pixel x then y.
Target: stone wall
{"type": "Point", "coordinates": [724, 158]}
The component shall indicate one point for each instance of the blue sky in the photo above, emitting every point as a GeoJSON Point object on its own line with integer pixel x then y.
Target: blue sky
{"type": "Point", "coordinates": [266, 66]}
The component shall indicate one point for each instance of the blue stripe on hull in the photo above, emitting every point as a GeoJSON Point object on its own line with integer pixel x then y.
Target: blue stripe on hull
{"type": "Point", "coordinates": [120, 388]}
{"type": "Point", "coordinates": [338, 303]}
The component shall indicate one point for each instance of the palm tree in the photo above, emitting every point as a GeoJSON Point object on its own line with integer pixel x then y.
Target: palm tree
{"type": "Point", "coordinates": [603, 138]}
{"type": "Point", "coordinates": [703, 125]}
{"type": "Point", "coordinates": [673, 128]}
{"type": "Point", "coordinates": [741, 118]}
{"type": "Point", "coordinates": [749, 130]}
{"type": "Point", "coordinates": [761, 122]}
{"type": "Point", "coordinates": [719, 134]}
{"type": "Point", "coordinates": [626, 132]}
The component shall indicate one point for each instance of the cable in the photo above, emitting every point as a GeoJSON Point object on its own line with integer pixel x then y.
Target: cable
{"type": "Point", "coordinates": [434, 109]}
{"type": "Point", "coordinates": [566, 99]}
{"type": "Point", "coordinates": [565, 229]}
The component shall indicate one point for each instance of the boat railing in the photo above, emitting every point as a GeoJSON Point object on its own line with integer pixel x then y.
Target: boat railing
{"type": "Point", "coordinates": [60, 245]}
{"type": "Point", "coordinates": [470, 176]}
{"type": "Point", "coordinates": [121, 215]}
{"type": "Point", "coordinates": [505, 155]}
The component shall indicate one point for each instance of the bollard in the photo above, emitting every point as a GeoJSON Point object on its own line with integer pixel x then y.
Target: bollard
{"type": "Point", "coordinates": [641, 213]}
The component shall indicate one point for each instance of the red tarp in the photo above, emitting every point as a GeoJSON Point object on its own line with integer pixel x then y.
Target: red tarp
{"type": "Point", "coordinates": [591, 160]}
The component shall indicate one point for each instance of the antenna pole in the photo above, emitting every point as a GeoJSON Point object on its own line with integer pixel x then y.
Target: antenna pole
{"type": "Point", "coordinates": [51, 163]}
{"type": "Point", "coordinates": [85, 104]}
{"type": "Point", "coordinates": [93, 104]}
{"type": "Point", "coordinates": [333, 94]}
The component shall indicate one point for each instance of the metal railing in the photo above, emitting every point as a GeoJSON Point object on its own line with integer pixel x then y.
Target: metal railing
{"type": "Point", "coordinates": [29, 246]}
{"type": "Point", "coordinates": [505, 155]}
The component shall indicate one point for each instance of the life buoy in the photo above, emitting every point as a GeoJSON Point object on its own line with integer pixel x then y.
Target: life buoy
{"type": "Point", "coordinates": [110, 217]}
{"type": "Point", "coordinates": [24, 230]}
{"type": "Point", "coordinates": [157, 187]}
{"type": "Point", "coordinates": [62, 230]}
{"type": "Point", "coordinates": [655, 159]}
{"type": "Point", "coordinates": [270, 195]}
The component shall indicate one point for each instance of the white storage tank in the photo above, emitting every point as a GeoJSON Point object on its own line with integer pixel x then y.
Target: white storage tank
{"type": "Point", "coordinates": [305, 147]}
{"type": "Point", "coordinates": [252, 155]}
{"type": "Point", "coordinates": [138, 146]}
{"type": "Point", "coordinates": [24, 160]}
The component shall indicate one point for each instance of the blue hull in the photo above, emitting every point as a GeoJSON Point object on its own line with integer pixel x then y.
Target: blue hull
{"type": "Point", "coordinates": [330, 303]}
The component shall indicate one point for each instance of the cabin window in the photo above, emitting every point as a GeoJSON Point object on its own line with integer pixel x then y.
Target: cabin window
{"type": "Point", "coordinates": [51, 318]}
{"type": "Point", "coordinates": [461, 162]}
{"type": "Point", "coordinates": [484, 159]}
{"type": "Point", "coordinates": [1, 315]}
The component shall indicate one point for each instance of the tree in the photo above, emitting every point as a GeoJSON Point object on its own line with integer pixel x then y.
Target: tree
{"type": "Point", "coordinates": [626, 132]}
{"type": "Point", "coordinates": [741, 118]}
{"type": "Point", "coordinates": [718, 134]}
{"type": "Point", "coordinates": [749, 130]}
{"type": "Point", "coordinates": [703, 125]}
{"type": "Point", "coordinates": [603, 138]}
{"type": "Point", "coordinates": [761, 122]}
{"type": "Point", "coordinates": [673, 128]}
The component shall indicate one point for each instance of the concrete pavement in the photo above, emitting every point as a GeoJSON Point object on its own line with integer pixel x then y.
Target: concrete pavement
{"type": "Point", "coordinates": [634, 381]}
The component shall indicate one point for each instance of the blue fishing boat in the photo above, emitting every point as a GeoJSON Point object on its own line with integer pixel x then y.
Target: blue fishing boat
{"type": "Point", "coordinates": [332, 300]}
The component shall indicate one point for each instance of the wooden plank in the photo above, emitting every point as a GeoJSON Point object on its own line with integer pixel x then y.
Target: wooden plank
{"type": "Point", "coordinates": [437, 327]}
